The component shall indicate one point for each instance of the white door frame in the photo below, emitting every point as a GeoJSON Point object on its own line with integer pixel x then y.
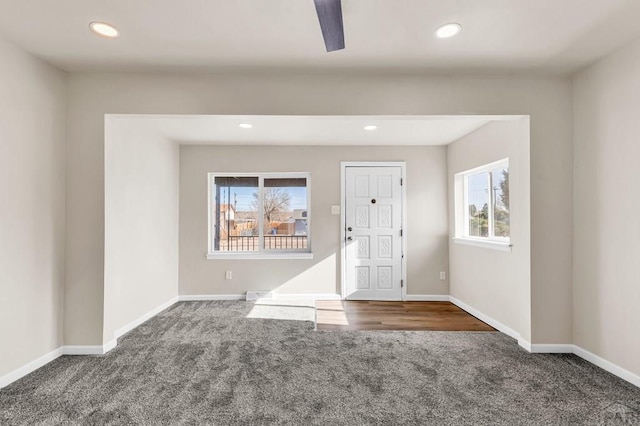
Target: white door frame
{"type": "Point", "coordinates": [343, 200]}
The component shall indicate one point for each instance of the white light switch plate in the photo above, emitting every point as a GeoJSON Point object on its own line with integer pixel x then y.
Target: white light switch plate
{"type": "Point", "coordinates": [335, 209]}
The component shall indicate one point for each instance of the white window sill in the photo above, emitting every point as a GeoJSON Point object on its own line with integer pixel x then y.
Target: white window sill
{"type": "Point", "coordinates": [259, 256]}
{"type": "Point", "coordinates": [494, 245]}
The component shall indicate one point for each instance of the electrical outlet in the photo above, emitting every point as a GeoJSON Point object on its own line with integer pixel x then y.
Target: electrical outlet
{"type": "Point", "coordinates": [443, 275]}
{"type": "Point", "coordinates": [228, 275]}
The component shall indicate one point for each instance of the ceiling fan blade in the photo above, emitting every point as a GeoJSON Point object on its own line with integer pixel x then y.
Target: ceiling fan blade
{"type": "Point", "coordinates": [330, 17]}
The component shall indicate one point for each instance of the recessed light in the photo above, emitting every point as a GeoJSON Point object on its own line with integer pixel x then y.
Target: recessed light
{"type": "Point", "coordinates": [245, 125]}
{"type": "Point", "coordinates": [448, 30]}
{"type": "Point", "coordinates": [370, 127]}
{"type": "Point", "coordinates": [103, 29]}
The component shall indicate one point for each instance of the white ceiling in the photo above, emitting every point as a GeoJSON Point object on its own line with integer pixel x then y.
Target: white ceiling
{"type": "Point", "coordinates": [303, 130]}
{"type": "Point", "coordinates": [533, 36]}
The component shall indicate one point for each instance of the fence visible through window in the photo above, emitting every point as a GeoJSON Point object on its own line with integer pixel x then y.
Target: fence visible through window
{"type": "Point", "coordinates": [271, 242]}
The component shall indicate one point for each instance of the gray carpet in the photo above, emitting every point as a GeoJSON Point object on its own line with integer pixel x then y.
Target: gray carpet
{"type": "Point", "coordinates": [207, 363]}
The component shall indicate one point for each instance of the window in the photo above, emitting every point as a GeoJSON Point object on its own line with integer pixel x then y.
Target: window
{"type": "Point", "coordinates": [482, 204]}
{"type": "Point", "coordinates": [259, 215]}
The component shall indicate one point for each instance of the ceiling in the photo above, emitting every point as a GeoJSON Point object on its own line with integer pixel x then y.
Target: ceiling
{"type": "Point", "coordinates": [302, 130]}
{"type": "Point", "coordinates": [533, 36]}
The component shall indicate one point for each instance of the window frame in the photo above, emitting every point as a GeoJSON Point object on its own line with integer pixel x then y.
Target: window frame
{"type": "Point", "coordinates": [261, 253]}
{"type": "Point", "coordinates": [461, 208]}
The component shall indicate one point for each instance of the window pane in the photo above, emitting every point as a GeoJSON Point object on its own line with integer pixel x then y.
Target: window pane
{"type": "Point", "coordinates": [236, 214]}
{"type": "Point", "coordinates": [285, 214]}
{"type": "Point", "coordinates": [478, 199]}
{"type": "Point", "coordinates": [501, 202]}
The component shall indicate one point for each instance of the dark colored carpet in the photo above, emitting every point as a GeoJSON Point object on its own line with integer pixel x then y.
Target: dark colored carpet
{"type": "Point", "coordinates": [207, 363]}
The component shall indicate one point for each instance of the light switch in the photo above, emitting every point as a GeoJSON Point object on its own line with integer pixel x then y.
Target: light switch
{"type": "Point", "coordinates": [335, 209]}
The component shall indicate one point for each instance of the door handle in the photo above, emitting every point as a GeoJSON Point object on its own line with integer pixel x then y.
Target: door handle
{"type": "Point", "coordinates": [349, 239]}
{"type": "Point", "coordinates": [349, 229]}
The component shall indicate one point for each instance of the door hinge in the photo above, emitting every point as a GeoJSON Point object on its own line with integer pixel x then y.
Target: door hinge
{"type": "Point", "coordinates": [401, 283]}
{"type": "Point", "coordinates": [401, 181]}
{"type": "Point", "coordinates": [401, 232]}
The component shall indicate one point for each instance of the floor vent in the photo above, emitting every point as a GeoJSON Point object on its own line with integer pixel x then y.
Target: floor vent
{"type": "Point", "coordinates": [255, 295]}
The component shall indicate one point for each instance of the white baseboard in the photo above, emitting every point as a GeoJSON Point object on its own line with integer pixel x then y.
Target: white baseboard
{"type": "Point", "coordinates": [89, 350]}
{"type": "Point", "coordinates": [79, 349]}
{"type": "Point", "coordinates": [257, 295]}
{"type": "Point", "coordinates": [485, 318]}
{"type": "Point", "coordinates": [525, 344]}
{"type": "Point", "coordinates": [109, 345]}
{"type": "Point", "coordinates": [545, 348]}
{"type": "Point", "coordinates": [427, 298]}
{"type": "Point", "coordinates": [103, 349]}
{"type": "Point", "coordinates": [551, 348]}
{"type": "Point", "coordinates": [204, 297]}
{"type": "Point", "coordinates": [20, 372]}
{"type": "Point", "coordinates": [152, 313]}
{"type": "Point", "coordinates": [537, 348]}
{"type": "Point", "coordinates": [612, 368]}
{"type": "Point", "coordinates": [306, 296]}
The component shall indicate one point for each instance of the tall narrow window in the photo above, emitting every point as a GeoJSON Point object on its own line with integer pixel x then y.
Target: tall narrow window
{"type": "Point", "coordinates": [500, 188]}
{"type": "Point", "coordinates": [285, 214]}
{"type": "Point", "coordinates": [478, 200]}
{"type": "Point", "coordinates": [259, 214]}
{"type": "Point", "coordinates": [235, 214]}
{"type": "Point", "coordinates": [482, 209]}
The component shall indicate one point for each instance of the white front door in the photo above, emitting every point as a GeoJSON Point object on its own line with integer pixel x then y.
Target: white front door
{"type": "Point", "coordinates": [373, 233]}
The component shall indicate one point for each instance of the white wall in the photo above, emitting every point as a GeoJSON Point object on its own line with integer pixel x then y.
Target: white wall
{"type": "Point", "coordinates": [32, 210]}
{"type": "Point", "coordinates": [607, 202]}
{"type": "Point", "coordinates": [496, 283]}
{"type": "Point", "coordinates": [547, 101]}
{"type": "Point", "coordinates": [141, 224]}
{"type": "Point", "coordinates": [427, 251]}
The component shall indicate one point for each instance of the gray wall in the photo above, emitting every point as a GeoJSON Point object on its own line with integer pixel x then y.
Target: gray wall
{"type": "Point", "coordinates": [607, 202]}
{"type": "Point", "coordinates": [497, 283]}
{"type": "Point", "coordinates": [426, 204]}
{"type": "Point", "coordinates": [141, 224]}
{"type": "Point", "coordinates": [32, 210]}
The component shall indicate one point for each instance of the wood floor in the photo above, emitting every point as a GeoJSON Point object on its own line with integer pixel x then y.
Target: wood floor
{"type": "Point", "coordinates": [412, 316]}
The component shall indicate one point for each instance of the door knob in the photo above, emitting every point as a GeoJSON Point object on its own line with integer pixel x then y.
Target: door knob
{"type": "Point", "coordinates": [349, 229]}
{"type": "Point", "coordinates": [349, 239]}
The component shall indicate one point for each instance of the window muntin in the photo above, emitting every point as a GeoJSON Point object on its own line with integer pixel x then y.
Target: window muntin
{"type": "Point", "coordinates": [485, 203]}
{"type": "Point", "coordinates": [265, 213]}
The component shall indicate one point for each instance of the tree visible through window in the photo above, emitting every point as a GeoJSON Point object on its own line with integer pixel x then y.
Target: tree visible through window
{"type": "Point", "coordinates": [500, 185]}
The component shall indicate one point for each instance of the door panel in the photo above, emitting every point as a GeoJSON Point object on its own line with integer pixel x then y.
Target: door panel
{"type": "Point", "coordinates": [373, 224]}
